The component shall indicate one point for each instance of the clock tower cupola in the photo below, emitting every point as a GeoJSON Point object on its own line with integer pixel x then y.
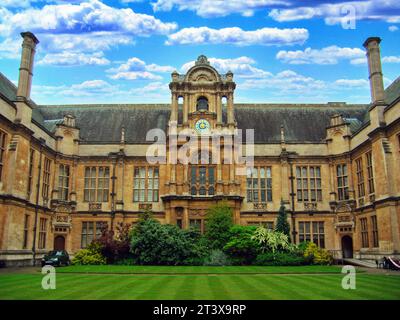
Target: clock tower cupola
{"type": "Point", "coordinates": [202, 90]}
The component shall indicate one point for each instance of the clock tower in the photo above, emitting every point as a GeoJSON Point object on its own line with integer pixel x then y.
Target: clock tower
{"type": "Point", "coordinates": [194, 186]}
{"type": "Point", "coordinates": [202, 89]}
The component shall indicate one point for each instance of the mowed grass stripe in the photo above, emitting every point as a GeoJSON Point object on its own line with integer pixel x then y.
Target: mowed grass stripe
{"type": "Point", "coordinates": [246, 288]}
{"type": "Point", "coordinates": [240, 286]}
{"type": "Point", "coordinates": [292, 287]}
{"type": "Point", "coordinates": [158, 288]}
{"type": "Point", "coordinates": [114, 269]}
{"type": "Point", "coordinates": [218, 289]}
{"type": "Point", "coordinates": [186, 286]}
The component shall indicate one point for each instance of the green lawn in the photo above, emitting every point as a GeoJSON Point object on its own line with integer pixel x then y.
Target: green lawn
{"type": "Point", "coordinates": [220, 283]}
{"type": "Point", "coordinates": [197, 269]}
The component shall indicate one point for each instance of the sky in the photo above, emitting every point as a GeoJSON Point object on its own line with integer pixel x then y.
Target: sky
{"type": "Point", "coordinates": [280, 51]}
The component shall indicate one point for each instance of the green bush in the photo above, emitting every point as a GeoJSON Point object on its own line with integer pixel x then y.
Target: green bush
{"type": "Point", "coordinates": [241, 247]}
{"type": "Point", "coordinates": [218, 223]}
{"type": "Point", "coordinates": [153, 243]}
{"type": "Point", "coordinates": [281, 259]}
{"type": "Point", "coordinates": [317, 254]}
{"type": "Point", "coordinates": [217, 258]}
{"type": "Point", "coordinates": [90, 256]}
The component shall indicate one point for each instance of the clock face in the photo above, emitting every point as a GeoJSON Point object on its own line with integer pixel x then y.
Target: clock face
{"type": "Point", "coordinates": [202, 126]}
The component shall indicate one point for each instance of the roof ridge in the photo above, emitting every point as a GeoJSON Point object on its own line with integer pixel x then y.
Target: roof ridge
{"type": "Point", "coordinates": [240, 105]}
{"type": "Point", "coordinates": [8, 80]}
{"type": "Point", "coordinates": [395, 82]}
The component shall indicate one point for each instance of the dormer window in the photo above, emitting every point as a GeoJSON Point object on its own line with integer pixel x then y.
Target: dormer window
{"type": "Point", "coordinates": [202, 104]}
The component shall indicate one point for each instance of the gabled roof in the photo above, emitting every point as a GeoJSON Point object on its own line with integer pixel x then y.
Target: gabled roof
{"type": "Point", "coordinates": [102, 123]}
{"type": "Point", "coordinates": [393, 91]}
{"type": "Point", "coordinates": [7, 88]}
{"type": "Point", "coordinates": [302, 123]}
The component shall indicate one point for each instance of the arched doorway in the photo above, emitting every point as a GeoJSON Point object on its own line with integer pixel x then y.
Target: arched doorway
{"type": "Point", "coordinates": [59, 243]}
{"type": "Point", "coordinates": [347, 247]}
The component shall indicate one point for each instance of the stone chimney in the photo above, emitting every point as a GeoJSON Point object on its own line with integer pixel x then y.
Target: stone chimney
{"type": "Point", "coordinates": [24, 107]}
{"type": "Point", "coordinates": [376, 76]}
{"type": "Point", "coordinates": [26, 67]}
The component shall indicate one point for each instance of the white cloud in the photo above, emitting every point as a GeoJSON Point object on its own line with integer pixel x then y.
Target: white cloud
{"type": "Point", "coordinates": [336, 13]}
{"type": "Point", "coordinates": [216, 8]}
{"type": "Point", "coordinates": [328, 55]}
{"type": "Point", "coordinates": [393, 28]}
{"type": "Point", "coordinates": [82, 27]}
{"type": "Point", "coordinates": [391, 59]}
{"type": "Point", "coordinates": [90, 42]}
{"type": "Point", "coordinates": [15, 3]}
{"type": "Point", "coordinates": [288, 10]}
{"type": "Point", "coordinates": [158, 91]}
{"type": "Point", "coordinates": [73, 59]}
{"type": "Point", "coordinates": [10, 49]}
{"type": "Point", "coordinates": [86, 17]}
{"type": "Point", "coordinates": [89, 88]}
{"type": "Point", "coordinates": [239, 37]}
{"type": "Point", "coordinates": [241, 67]}
{"type": "Point", "coordinates": [136, 69]}
{"type": "Point", "coordinates": [286, 81]}
{"type": "Point", "coordinates": [352, 83]}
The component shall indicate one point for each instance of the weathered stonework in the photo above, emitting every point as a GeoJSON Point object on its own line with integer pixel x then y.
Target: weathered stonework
{"type": "Point", "coordinates": [30, 187]}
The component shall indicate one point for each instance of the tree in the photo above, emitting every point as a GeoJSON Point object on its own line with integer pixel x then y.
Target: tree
{"type": "Point", "coordinates": [154, 243]}
{"type": "Point", "coordinates": [219, 221]}
{"type": "Point", "coordinates": [241, 247]}
{"type": "Point", "coordinates": [115, 246]}
{"type": "Point", "coordinates": [272, 240]}
{"type": "Point", "coordinates": [282, 225]}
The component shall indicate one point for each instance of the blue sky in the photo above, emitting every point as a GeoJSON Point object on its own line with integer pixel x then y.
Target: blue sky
{"type": "Point", "coordinates": [280, 51]}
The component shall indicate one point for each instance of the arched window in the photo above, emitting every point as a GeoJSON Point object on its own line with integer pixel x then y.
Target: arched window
{"type": "Point", "coordinates": [202, 180]}
{"type": "Point", "coordinates": [202, 104]}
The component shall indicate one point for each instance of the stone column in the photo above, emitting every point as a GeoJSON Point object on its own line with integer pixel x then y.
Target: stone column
{"type": "Point", "coordinates": [185, 109]}
{"type": "Point", "coordinates": [174, 108]}
{"type": "Point", "coordinates": [219, 109]}
{"type": "Point", "coordinates": [185, 218]}
{"type": "Point", "coordinates": [231, 118]}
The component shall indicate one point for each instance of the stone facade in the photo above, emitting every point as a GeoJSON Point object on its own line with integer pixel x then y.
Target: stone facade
{"type": "Point", "coordinates": [60, 174]}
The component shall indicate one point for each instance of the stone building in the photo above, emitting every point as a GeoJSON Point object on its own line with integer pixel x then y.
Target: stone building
{"type": "Point", "coordinates": [67, 169]}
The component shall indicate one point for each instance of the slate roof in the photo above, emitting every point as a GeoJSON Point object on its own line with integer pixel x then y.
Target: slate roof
{"type": "Point", "coordinates": [302, 123]}
{"type": "Point", "coordinates": [393, 91]}
{"type": "Point", "coordinates": [102, 123]}
{"type": "Point", "coordinates": [7, 88]}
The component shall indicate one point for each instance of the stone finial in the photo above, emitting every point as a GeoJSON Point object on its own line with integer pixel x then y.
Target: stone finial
{"type": "Point", "coordinates": [202, 59]}
{"type": "Point", "coordinates": [123, 134]}
{"type": "Point", "coordinates": [283, 140]}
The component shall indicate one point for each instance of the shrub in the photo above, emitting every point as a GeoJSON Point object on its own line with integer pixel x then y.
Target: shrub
{"type": "Point", "coordinates": [218, 223]}
{"type": "Point", "coordinates": [90, 256]}
{"type": "Point", "coordinates": [241, 247]}
{"type": "Point", "coordinates": [317, 254]}
{"type": "Point", "coordinates": [217, 258]}
{"type": "Point", "coordinates": [281, 259]}
{"type": "Point", "coordinates": [282, 225]}
{"type": "Point", "coordinates": [272, 240]}
{"type": "Point", "coordinates": [115, 246]}
{"type": "Point", "coordinates": [154, 243]}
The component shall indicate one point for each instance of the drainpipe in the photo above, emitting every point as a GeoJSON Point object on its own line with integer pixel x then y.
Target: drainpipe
{"type": "Point", "coordinates": [292, 194]}
{"type": "Point", "coordinates": [113, 196]}
{"type": "Point", "coordinates": [42, 142]}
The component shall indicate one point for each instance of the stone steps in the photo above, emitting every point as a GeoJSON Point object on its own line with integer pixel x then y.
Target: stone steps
{"type": "Point", "coordinates": [361, 263]}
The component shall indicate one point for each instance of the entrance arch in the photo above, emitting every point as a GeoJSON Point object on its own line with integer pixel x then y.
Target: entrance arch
{"type": "Point", "coordinates": [59, 243]}
{"type": "Point", "coordinates": [347, 247]}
